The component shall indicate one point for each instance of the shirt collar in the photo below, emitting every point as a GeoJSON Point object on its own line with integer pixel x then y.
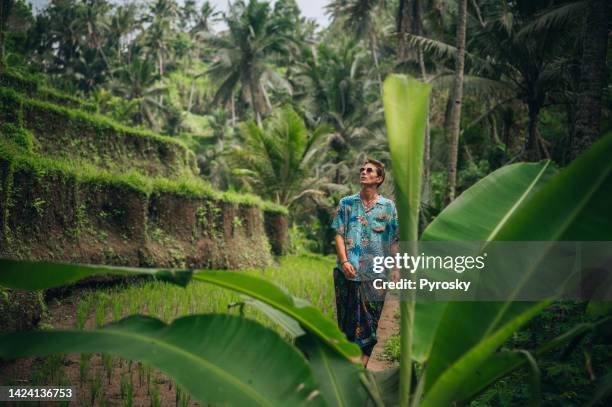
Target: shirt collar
{"type": "Point", "coordinates": [379, 200]}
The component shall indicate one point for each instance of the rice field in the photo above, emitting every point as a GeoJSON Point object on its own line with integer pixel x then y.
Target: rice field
{"type": "Point", "coordinates": [307, 276]}
{"type": "Point", "coordinates": [107, 380]}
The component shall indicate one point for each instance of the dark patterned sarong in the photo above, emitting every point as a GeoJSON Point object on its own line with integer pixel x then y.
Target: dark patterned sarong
{"type": "Point", "coordinates": [358, 306]}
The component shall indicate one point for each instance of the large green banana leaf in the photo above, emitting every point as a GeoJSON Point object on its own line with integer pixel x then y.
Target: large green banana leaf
{"type": "Point", "coordinates": [38, 275]}
{"type": "Point", "coordinates": [476, 215]}
{"type": "Point", "coordinates": [41, 275]}
{"type": "Point", "coordinates": [574, 205]}
{"type": "Point", "coordinates": [310, 318]}
{"type": "Point", "coordinates": [339, 379]}
{"type": "Point", "coordinates": [480, 212]}
{"type": "Point", "coordinates": [406, 102]}
{"type": "Point", "coordinates": [219, 359]}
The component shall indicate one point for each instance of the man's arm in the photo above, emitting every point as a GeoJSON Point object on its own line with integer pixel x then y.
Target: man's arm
{"type": "Point", "coordinates": [347, 267]}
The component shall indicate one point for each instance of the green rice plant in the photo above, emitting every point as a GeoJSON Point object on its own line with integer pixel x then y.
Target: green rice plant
{"type": "Point", "coordinates": [101, 310]}
{"type": "Point", "coordinates": [141, 372]}
{"type": "Point", "coordinates": [84, 363]}
{"type": "Point", "coordinates": [123, 385]}
{"type": "Point", "coordinates": [116, 310]}
{"type": "Point", "coordinates": [82, 313]}
{"type": "Point", "coordinates": [107, 362]}
{"type": "Point", "coordinates": [148, 373]}
{"type": "Point", "coordinates": [182, 397]}
{"type": "Point", "coordinates": [95, 390]}
{"type": "Point", "coordinates": [155, 397]}
{"type": "Point", "coordinates": [48, 370]}
{"type": "Point", "coordinates": [133, 305]}
{"type": "Point", "coordinates": [129, 398]}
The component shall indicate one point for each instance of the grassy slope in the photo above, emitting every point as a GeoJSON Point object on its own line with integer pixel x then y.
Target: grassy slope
{"type": "Point", "coordinates": [15, 146]}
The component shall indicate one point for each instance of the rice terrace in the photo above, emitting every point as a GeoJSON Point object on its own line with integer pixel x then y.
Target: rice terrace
{"type": "Point", "coordinates": [306, 203]}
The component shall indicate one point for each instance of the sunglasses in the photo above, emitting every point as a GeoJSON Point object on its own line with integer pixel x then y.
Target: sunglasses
{"type": "Point", "coordinates": [369, 170]}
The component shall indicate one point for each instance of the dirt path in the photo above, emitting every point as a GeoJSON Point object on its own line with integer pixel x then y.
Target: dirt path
{"type": "Point", "coordinates": [387, 326]}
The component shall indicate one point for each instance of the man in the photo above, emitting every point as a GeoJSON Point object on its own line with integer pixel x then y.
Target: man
{"type": "Point", "coordinates": [366, 226]}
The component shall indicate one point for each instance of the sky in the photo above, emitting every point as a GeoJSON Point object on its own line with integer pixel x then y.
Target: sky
{"type": "Point", "coordinates": [310, 8]}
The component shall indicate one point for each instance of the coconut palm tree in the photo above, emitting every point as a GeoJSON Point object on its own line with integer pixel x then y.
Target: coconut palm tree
{"type": "Point", "coordinates": [339, 93]}
{"type": "Point", "coordinates": [359, 17]}
{"type": "Point", "coordinates": [499, 53]}
{"type": "Point", "coordinates": [136, 80]}
{"type": "Point", "coordinates": [255, 35]}
{"type": "Point", "coordinates": [163, 14]}
{"type": "Point", "coordinates": [278, 160]}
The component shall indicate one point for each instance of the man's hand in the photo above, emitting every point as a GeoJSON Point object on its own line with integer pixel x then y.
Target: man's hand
{"type": "Point", "coordinates": [347, 267]}
{"type": "Point", "coordinates": [349, 270]}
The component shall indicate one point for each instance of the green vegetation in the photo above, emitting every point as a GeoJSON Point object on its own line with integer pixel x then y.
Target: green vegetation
{"type": "Point", "coordinates": [305, 276]}
{"type": "Point", "coordinates": [452, 366]}
{"type": "Point", "coordinates": [11, 98]}
{"type": "Point", "coordinates": [576, 364]}
{"type": "Point", "coordinates": [35, 87]}
{"type": "Point", "coordinates": [14, 149]}
{"type": "Point", "coordinates": [504, 134]}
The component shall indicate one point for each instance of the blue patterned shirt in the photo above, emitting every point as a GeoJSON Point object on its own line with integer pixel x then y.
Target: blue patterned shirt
{"type": "Point", "coordinates": [367, 233]}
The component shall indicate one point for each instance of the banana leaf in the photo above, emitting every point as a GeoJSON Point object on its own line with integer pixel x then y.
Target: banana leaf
{"type": "Point", "coordinates": [219, 359]}
{"type": "Point", "coordinates": [574, 205]}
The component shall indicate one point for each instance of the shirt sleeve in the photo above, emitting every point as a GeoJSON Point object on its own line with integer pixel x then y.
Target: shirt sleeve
{"type": "Point", "coordinates": [394, 236]}
{"type": "Point", "coordinates": [339, 222]}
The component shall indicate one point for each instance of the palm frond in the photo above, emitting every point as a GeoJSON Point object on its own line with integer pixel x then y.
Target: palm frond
{"type": "Point", "coordinates": [554, 17]}
{"type": "Point", "coordinates": [442, 50]}
{"type": "Point", "coordinates": [475, 85]}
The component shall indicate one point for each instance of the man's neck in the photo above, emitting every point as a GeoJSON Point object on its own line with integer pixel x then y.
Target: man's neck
{"type": "Point", "coordinates": [368, 193]}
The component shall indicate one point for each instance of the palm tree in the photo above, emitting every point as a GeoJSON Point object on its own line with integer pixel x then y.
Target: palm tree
{"type": "Point", "coordinates": [162, 16]}
{"type": "Point", "coordinates": [359, 17]}
{"type": "Point", "coordinates": [135, 80]}
{"type": "Point", "coordinates": [502, 53]}
{"type": "Point", "coordinates": [199, 31]}
{"type": "Point", "coordinates": [337, 92]}
{"type": "Point", "coordinates": [279, 159]}
{"type": "Point", "coordinates": [97, 27]}
{"type": "Point", "coordinates": [254, 35]}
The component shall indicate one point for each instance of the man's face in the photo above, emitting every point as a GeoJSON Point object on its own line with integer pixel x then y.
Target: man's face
{"type": "Point", "coordinates": [368, 175]}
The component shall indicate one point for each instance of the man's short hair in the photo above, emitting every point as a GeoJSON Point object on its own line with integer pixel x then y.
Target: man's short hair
{"type": "Point", "coordinates": [380, 168]}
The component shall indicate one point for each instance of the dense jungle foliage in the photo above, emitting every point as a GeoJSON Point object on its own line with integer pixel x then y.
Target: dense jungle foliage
{"type": "Point", "coordinates": [533, 85]}
{"type": "Point", "coordinates": [274, 105]}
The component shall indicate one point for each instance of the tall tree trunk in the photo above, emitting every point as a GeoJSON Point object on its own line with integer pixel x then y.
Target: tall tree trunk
{"type": "Point", "coordinates": [233, 109]}
{"type": "Point", "coordinates": [455, 121]}
{"type": "Point", "coordinates": [193, 80]}
{"type": "Point", "coordinates": [592, 77]}
{"type": "Point", "coordinates": [254, 104]}
{"type": "Point", "coordinates": [375, 57]}
{"type": "Point", "coordinates": [535, 148]}
{"type": "Point", "coordinates": [404, 27]}
{"type": "Point", "coordinates": [418, 29]}
{"type": "Point", "coordinates": [161, 76]}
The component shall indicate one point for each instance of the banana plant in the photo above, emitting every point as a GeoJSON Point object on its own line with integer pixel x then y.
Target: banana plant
{"type": "Point", "coordinates": [219, 358]}
{"type": "Point", "coordinates": [456, 342]}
